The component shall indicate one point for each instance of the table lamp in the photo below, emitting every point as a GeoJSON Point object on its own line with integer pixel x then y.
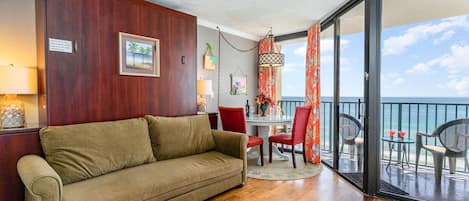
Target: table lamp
{"type": "Point", "coordinates": [204, 88]}
{"type": "Point", "coordinates": [15, 81]}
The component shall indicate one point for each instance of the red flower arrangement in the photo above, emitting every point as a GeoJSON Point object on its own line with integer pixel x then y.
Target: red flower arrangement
{"type": "Point", "coordinates": [262, 99]}
{"type": "Point", "coordinates": [263, 103]}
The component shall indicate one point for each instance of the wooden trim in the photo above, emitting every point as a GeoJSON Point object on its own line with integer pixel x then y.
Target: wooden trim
{"type": "Point", "coordinates": [18, 130]}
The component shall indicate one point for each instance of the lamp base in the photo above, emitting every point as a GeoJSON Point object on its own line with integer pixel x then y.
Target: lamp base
{"type": "Point", "coordinates": [12, 114]}
{"type": "Point", "coordinates": [202, 108]}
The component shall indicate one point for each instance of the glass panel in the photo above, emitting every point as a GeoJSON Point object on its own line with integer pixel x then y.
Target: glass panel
{"type": "Point", "coordinates": [327, 92]}
{"type": "Point", "coordinates": [424, 85]}
{"type": "Point", "coordinates": [293, 81]}
{"type": "Point", "coordinates": [351, 94]}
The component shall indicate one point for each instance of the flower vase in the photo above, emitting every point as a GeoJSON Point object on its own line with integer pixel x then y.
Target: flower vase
{"type": "Point", "coordinates": [264, 107]}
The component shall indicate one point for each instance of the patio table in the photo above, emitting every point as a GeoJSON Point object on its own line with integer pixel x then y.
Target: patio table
{"type": "Point", "coordinates": [401, 150]}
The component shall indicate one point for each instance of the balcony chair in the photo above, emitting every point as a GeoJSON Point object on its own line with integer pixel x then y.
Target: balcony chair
{"type": "Point", "coordinates": [297, 135]}
{"type": "Point", "coordinates": [233, 119]}
{"type": "Point", "coordinates": [349, 130]}
{"type": "Point", "coordinates": [454, 138]}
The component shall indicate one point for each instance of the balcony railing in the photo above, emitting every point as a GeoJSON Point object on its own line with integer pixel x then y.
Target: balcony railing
{"type": "Point", "coordinates": [409, 117]}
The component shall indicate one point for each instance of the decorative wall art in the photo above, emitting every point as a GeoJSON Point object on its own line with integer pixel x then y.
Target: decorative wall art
{"type": "Point", "coordinates": [210, 60]}
{"type": "Point", "coordinates": [139, 55]}
{"type": "Point", "coordinates": [239, 84]}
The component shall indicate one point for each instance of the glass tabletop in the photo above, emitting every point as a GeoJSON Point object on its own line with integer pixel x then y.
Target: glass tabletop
{"type": "Point", "coordinates": [398, 140]}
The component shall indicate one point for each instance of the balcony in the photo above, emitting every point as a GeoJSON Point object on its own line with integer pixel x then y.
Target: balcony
{"type": "Point", "coordinates": [411, 117]}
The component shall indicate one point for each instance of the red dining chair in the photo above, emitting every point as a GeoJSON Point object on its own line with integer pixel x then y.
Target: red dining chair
{"type": "Point", "coordinates": [296, 137]}
{"type": "Point", "coordinates": [233, 119]}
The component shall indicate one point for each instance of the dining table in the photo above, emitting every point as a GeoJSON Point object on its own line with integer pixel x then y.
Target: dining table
{"type": "Point", "coordinates": [265, 127]}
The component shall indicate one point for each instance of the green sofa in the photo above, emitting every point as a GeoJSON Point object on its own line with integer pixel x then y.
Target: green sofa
{"type": "Point", "coordinates": [150, 158]}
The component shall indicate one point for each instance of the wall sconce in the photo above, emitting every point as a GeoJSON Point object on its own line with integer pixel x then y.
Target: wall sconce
{"type": "Point", "coordinates": [15, 81]}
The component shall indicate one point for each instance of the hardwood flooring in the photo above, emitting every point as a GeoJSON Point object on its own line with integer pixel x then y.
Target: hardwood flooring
{"type": "Point", "coordinates": [327, 186]}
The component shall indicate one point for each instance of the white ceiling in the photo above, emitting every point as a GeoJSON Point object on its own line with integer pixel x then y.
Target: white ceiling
{"type": "Point", "coordinates": [254, 18]}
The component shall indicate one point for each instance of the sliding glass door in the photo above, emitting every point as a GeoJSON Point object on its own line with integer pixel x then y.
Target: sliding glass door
{"type": "Point", "coordinates": [425, 86]}
{"type": "Point", "coordinates": [351, 94]}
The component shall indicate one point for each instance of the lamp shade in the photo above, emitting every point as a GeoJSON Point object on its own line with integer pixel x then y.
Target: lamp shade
{"type": "Point", "coordinates": [204, 87]}
{"type": "Point", "coordinates": [271, 59]}
{"type": "Point", "coordinates": [18, 80]}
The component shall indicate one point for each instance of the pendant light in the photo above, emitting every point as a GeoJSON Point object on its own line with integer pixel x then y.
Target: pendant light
{"type": "Point", "coordinates": [273, 58]}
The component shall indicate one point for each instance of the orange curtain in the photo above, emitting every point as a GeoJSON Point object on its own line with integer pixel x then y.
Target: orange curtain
{"type": "Point", "coordinates": [313, 94]}
{"type": "Point", "coordinates": [267, 76]}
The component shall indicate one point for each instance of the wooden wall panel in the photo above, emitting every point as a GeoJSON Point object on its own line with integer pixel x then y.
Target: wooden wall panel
{"type": "Point", "coordinates": [85, 86]}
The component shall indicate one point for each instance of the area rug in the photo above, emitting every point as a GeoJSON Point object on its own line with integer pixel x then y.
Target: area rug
{"type": "Point", "coordinates": [282, 170]}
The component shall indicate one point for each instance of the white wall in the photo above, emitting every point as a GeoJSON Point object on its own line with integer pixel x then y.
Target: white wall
{"type": "Point", "coordinates": [231, 61]}
{"type": "Point", "coordinates": [18, 44]}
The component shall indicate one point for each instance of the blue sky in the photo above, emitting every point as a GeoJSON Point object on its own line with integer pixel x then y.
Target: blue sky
{"type": "Point", "coordinates": [428, 59]}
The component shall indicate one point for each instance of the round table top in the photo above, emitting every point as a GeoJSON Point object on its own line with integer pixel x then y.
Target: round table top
{"type": "Point", "coordinates": [268, 120]}
{"type": "Point", "coordinates": [398, 140]}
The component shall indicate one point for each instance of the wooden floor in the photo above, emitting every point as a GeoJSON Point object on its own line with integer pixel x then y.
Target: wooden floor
{"type": "Point", "coordinates": [327, 186]}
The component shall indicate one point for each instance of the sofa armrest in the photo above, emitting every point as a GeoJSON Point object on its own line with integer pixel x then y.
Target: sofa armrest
{"type": "Point", "coordinates": [41, 181]}
{"type": "Point", "coordinates": [233, 144]}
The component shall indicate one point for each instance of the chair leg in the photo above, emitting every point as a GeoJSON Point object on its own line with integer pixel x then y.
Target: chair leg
{"type": "Point", "coordinates": [261, 148]}
{"type": "Point", "coordinates": [467, 163]}
{"type": "Point", "coordinates": [417, 156]}
{"type": "Point", "coordinates": [293, 155]}
{"type": "Point", "coordinates": [452, 165]}
{"type": "Point", "coordinates": [359, 156]}
{"type": "Point", "coordinates": [438, 163]}
{"type": "Point", "coordinates": [352, 151]}
{"type": "Point", "coordinates": [270, 152]}
{"type": "Point", "coordinates": [341, 149]}
{"type": "Point", "coordinates": [304, 152]}
{"type": "Point", "coordinates": [282, 149]}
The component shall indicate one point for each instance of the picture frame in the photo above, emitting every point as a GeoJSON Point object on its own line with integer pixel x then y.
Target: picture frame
{"type": "Point", "coordinates": [238, 84]}
{"type": "Point", "coordinates": [139, 55]}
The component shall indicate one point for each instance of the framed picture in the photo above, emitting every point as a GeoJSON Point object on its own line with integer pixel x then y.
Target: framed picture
{"type": "Point", "coordinates": [139, 55]}
{"type": "Point", "coordinates": [239, 84]}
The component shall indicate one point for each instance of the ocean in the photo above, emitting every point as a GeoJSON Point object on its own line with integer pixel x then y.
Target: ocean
{"type": "Point", "coordinates": [408, 114]}
{"type": "Point", "coordinates": [449, 100]}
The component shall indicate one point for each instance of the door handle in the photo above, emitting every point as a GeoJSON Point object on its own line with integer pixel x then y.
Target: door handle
{"type": "Point", "coordinates": [359, 108]}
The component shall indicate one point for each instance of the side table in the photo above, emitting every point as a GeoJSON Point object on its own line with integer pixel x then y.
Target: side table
{"type": "Point", "coordinates": [401, 150]}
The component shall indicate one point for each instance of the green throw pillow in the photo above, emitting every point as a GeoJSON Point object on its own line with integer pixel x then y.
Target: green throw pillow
{"type": "Point", "coordinates": [82, 151]}
{"type": "Point", "coordinates": [174, 137]}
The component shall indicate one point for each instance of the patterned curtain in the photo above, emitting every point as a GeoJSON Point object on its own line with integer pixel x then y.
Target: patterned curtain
{"type": "Point", "coordinates": [267, 76]}
{"type": "Point", "coordinates": [313, 94]}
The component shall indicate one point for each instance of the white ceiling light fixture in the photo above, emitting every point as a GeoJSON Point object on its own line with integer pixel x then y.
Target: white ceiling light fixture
{"type": "Point", "coordinates": [273, 58]}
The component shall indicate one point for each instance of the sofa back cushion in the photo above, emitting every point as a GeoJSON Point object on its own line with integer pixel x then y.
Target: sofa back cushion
{"type": "Point", "coordinates": [174, 137]}
{"type": "Point", "coordinates": [82, 151]}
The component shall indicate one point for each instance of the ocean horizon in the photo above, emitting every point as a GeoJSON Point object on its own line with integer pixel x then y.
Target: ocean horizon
{"type": "Point", "coordinates": [448, 100]}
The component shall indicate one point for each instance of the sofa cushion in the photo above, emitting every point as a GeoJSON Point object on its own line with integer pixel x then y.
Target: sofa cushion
{"type": "Point", "coordinates": [173, 137]}
{"type": "Point", "coordinates": [161, 180]}
{"type": "Point", "coordinates": [82, 151]}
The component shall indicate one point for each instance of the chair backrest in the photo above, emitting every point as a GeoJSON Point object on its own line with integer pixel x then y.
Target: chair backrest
{"type": "Point", "coordinates": [454, 135]}
{"type": "Point", "coordinates": [300, 122]}
{"type": "Point", "coordinates": [349, 127]}
{"type": "Point", "coordinates": [233, 119]}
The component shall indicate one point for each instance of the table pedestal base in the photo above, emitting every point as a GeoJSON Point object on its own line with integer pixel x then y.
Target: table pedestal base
{"type": "Point", "coordinates": [264, 132]}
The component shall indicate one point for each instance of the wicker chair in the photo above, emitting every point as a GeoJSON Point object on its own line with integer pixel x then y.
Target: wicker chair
{"type": "Point", "coordinates": [349, 129]}
{"type": "Point", "coordinates": [454, 138]}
